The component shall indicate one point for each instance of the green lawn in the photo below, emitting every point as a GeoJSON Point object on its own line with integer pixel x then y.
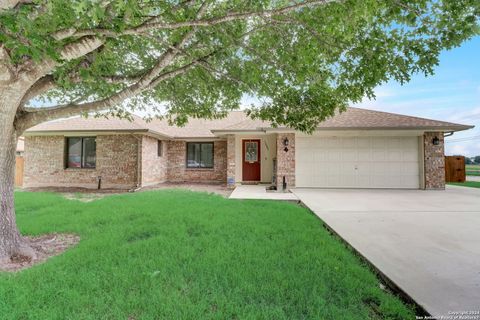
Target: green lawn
{"type": "Point", "coordinates": [473, 166]}
{"type": "Point", "coordinates": [470, 172]}
{"type": "Point", "coordinates": [473, 173]}
{"type": "Point", "coordinates": [472, 169]}
{"type": "Point", "coordinates": [471, 184]}
{"type": "Point", "coordinates": [185, 255]}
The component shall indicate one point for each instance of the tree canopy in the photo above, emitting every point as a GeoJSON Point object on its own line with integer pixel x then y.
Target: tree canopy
{"type": "Point", "coordinates": [303, 60]}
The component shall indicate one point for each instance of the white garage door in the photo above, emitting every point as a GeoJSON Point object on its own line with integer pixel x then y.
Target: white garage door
{"type": "Point", "coordinates": [357, 162]}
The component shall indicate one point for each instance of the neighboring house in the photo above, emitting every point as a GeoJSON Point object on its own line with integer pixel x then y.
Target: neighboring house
{"type": "Point", "coordinates": [20, 146]}
{"type": "Point", "coordinates": [355, 149]}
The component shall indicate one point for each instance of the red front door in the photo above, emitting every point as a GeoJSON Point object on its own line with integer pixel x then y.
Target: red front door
{"type": "Point", "coordinates": [251, 160]}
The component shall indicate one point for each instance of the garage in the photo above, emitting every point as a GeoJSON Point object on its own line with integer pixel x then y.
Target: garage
{"type": "Point", "coordinates": [358, 162]}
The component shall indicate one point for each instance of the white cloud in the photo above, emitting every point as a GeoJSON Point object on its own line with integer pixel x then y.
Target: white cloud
{"type": "Point", "coordinates": [466, 148]}
{"type": "Point", "coordinates": [384, 91]}
{"type": "Point", "coordinates": [471, 115]}
{"type": "Point", "coordinates": [455, 149]}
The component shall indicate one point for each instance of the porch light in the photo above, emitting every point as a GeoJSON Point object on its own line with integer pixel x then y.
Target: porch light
{"type": "Point", "coordinates": [436, 141]}
{"type": "Point", "coordinates": [285, 144]}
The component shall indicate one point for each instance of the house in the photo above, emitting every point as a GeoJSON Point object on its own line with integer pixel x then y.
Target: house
{"type": "Point", "coordinates": [358, 148]}
{"type": "Point", "coordinates": [20, 146]}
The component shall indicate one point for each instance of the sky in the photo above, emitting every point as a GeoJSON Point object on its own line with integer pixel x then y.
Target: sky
{"type": "Point", "coordinates": [451, 94]}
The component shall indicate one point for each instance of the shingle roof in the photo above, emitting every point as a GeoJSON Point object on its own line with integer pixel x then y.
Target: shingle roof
{"type": "Point", "coordinates": [352, 118]}
{"type": "Point", "coordinates": [364, 118]}
{"type": "Point", "coordinates": [195, 128]}
{"type": "Point", "coordinates": [357, 118]}
{"type": "Point", "coordinates": [91, 124]}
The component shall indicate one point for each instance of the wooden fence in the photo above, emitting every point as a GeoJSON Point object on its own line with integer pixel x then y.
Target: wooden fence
{"type": "Point", "coordinates": [455, 169]}
{"type": "Point", "coordinates": [19, 166]}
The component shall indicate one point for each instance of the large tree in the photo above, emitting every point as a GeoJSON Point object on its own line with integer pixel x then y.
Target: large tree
{"type": "Point", "coordinates": [303, 59]}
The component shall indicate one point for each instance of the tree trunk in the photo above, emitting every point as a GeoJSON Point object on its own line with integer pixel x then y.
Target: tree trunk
{"type": "Point", "coordinates": [11, 242]}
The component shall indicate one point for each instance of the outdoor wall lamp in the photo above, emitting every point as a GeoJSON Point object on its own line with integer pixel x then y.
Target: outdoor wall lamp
{"type": "Point", "coordinates": [436, 141]}
{"type": "Point", "coordinates": [285, 144]}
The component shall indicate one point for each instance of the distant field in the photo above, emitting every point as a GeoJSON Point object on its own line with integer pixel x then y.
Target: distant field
{"type": "Point", "coordinates": [473, 169]}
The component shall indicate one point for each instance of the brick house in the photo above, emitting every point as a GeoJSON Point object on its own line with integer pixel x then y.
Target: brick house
{"type": "Point", "coordinates": [358, 148]}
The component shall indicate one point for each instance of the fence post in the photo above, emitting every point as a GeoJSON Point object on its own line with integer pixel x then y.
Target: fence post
{"type": "Point", "coordinates": [19, 166]}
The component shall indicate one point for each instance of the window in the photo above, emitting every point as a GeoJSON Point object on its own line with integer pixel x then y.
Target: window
{"type": "Point", "coordinates": [159, 148]}
{"type": "Point", "coordinates": [200, 155]}
{"type": "Point", "coordinates": [251, 151]}
{"type": "Point", "coordinates": [81, 152]}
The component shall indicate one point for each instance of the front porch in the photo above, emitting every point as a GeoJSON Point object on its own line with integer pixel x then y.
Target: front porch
{"type": "Point", "coordinates": [263, 159]}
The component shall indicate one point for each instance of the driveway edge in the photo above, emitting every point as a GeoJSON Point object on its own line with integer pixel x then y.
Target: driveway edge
{"type": "Point", "coordinates": [390, 284]}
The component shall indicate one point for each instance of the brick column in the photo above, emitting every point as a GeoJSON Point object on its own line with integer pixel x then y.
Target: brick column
{"type": "Point", "coordinates": [434, 160]}
{"type": "Point", "coordinates": [231, 161]}
{"type": "Point", "coordinates": [285, 160]}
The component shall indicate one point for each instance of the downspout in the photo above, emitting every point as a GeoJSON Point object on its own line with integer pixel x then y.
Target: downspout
{"type": "Point", "coordinates": [448, 134]}
{"type": "Point", "coordinates": [139, 164]}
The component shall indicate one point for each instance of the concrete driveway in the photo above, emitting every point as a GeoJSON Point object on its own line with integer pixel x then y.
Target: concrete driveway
{"type": "Point", "coordinates": [426, 242]}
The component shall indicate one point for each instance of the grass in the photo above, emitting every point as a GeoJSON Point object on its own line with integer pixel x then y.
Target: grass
{"type": "Point", "coordinates": [471, 184]}
{"type": "Point", "coordinates": [473, 166]}
{"type": "Point", "coordinates": [472, 169]}
{"type": "Point", "coordinates": [473, 173]}
{"type": "Point", "coordinates": [183, 255]}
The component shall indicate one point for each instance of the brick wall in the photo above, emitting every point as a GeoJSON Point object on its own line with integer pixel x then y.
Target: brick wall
{"type": "Point", "coordinates": [177, 171]}
{"type": "Point", "coordinates": [231, 161]}
{"type": "Point", "coordinates": [116, 163]}
{"type": "Point", "coordinates": [286, 160]}
{"type": "Point", "coordinates": [153, 167]}
{"type": "Point", "coordinates": [434, 161]}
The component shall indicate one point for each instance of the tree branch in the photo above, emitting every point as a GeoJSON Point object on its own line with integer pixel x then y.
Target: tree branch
{"type": "Point", "coordinates": [148, 81]}
{"type": "Point", "coordinates": [62, 111]}
{"type": "Point", "coordinates": [80, 48]}
{"type": "Point", "coordinates": [74, 50]}
{"type": "Point", "coordinates": [310, 30]}
{"type": "Point", "coordinates": [7, 71]}
{"type": "Point", "coordinates": [207, 66]}
{"type": "Point", "coordinates": [408, 8]}
{"type": "Point", "coordinates": [47, 83]}
{"type": "Point", "coordinates": [43, 85]}
{"type": "Point", "coordinates": [12, 4]}
{"type": "Point", "coordinates": [149, 25]}
{"type": "Point", "coordinates": [39, 74]}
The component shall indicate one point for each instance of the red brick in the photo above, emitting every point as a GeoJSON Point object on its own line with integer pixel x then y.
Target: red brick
{"type": "Point", "coordinates": [116, 163]}
{"type": "Point", "coordinates": [177, 171]}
